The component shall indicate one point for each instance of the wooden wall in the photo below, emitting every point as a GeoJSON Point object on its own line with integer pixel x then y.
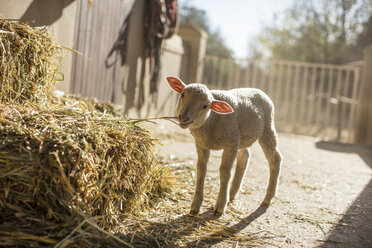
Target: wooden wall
{"type": "Point", "coordinates": [101, 36]}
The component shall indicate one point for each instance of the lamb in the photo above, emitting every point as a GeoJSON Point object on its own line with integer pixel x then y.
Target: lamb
{"type": "Point", "coordinates": [231, 120]}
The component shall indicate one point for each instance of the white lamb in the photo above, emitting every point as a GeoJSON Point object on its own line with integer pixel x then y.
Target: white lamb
{"type": "Point", "coordinates": [238, 118]}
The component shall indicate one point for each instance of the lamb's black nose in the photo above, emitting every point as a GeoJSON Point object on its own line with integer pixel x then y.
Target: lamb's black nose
{"type": "Point", "coordinates": [183, 118]}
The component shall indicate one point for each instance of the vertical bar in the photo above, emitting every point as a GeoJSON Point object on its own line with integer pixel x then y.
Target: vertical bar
{"type": "Point", "coordinates": [354, 104]}
{"type": "Point", "coordinates": [303, 108]}
{"type": "Point", "coordinates": [328, 99]}
{"type": "Point", "coordinates": [214, 71]}
{"type": "Point", "coordinates": [271, 72]}
{"type": "Point", "coordinates": [309, 119]}
{"type": "Point", "coordinates": [205, 70]}
{"type": "Point", "coordinates": [210, 71]}
{"type": "Point", "coordinates": [278, 91]}
{"type": "Point", "coordinates": [294, 99]}
{"type": "Point", "coordinates": [237, 76]}
{"type": "Point", "coordinates": [338, 102]}
{"type": "Point", "coordinates": [254, 78]}
{"type": "Point", "coordinates": [220, 74]}
{"type": "Point", "coordinates": [104, 81]}
{"type": "Point", "coordinates": [230, 73]}
{"type": "Point", "coordinates": [262, 76]}
{"type": "Point", "coordinates": [286, 93]}
{"type": "Point", "coordinates": [320, 101]}
{"type": "Point", "coordinates": [247, 75]}
{"type": "Point", "coordinates": [265, 77]}
{"type": "Point", "coordinates": [85, 48]}
{"type": "Point", "coordinates": [344, 104]}
{"type": "Point", "coordinates": [76, 68]}
{"type": "Point", "coordinates": [89, 76]}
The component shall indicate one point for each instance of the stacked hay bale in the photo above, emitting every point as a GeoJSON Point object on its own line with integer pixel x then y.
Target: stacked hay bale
{"type": "Point", "coordinates": [29, 63]}
{"type": "Point", "coordinates": [65, 161]}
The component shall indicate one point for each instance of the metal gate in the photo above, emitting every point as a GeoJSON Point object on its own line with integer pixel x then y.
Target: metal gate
{"type": "Point", "coordinates": [310, 98]}
{"type": "Point", "coordinates": [101, 35]}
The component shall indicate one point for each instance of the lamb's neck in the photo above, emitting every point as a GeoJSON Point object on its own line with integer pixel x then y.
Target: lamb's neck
{"type": "Point", "coordinates": [203, 132]}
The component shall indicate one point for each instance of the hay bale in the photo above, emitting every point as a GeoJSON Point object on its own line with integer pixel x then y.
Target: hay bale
{"type": "Point", "coordinates": [70, 168]}
{"type": "Point", "coordinates": [29, 63]}
{"type": "Point", "coordinates": [65, 162]}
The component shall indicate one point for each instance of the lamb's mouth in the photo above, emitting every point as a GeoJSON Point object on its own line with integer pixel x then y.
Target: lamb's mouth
{"type": "Point", "coordinates": [185, 124]}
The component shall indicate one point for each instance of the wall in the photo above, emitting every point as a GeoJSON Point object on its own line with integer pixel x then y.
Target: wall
{"type": "Point", "coordinates": [174, 63]}
{"type": "Point", "coordinates": [179, 57]}
{"type": "Point", "coordinates": [102, 28]}
{"type": "Point", "coordinates": [137, 102]}
{"type": "Point", "coordinates": [110, 34]}
{"type": "Point", "coordinates": [60, 15]}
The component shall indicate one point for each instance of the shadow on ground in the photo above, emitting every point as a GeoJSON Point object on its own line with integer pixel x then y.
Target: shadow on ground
{"type": "Point", "coordinates": [235, 229]}
{"type": "Point", "coordinates": [355, 227]}
{"type": "Point", "coordinates": [183, 230]}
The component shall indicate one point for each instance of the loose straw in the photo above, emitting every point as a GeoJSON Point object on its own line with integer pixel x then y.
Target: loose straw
{"type": "Point", "coordinates": [168, 118]}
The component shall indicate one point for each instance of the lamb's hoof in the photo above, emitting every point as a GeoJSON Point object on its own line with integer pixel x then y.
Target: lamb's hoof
{"type": "Point", "coordinates": [194, 212]}
{"type": "Point", "coordinates": [217, 213]}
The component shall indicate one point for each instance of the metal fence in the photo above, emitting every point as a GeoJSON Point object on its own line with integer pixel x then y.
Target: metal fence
{"type": "Point", "coordinates": [310, 98]}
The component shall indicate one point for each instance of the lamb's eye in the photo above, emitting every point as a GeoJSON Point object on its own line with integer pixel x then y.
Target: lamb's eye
{"type": "Point", "coordinates": [205, 106]}
{"type": "Point", "coordinates": [182, 95]}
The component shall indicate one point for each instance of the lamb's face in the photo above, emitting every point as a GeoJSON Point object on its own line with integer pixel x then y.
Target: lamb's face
{"type": "Point", "coordinates": [193, 107]}
{"type": "Point", "coordinates": [195, 103]}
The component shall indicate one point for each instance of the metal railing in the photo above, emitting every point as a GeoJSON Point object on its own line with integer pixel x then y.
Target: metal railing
{"type": "Point", "coordinates": [310, 98]}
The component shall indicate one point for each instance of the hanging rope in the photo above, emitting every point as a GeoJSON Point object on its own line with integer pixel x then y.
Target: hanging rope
{"type": "Point", "coordinates": [161, 20]}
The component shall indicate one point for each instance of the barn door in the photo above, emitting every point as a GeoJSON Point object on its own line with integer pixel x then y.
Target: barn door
{"type": "Point", "coordinates": [101, 35]}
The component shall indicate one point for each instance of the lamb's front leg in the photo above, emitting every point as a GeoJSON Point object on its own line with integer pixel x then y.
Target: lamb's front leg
{"type": "Point", "coordinates": [201, 171]}
{"type": "Point", "coordinates": [227, 162]}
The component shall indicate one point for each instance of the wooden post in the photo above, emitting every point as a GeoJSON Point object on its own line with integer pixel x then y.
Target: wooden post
{"type": "Point", "coordinates": [352, 118]}
{"type": "Point", "coordinates": [363, 129]}
{"type": "Point", "coordinates": [196, 38]}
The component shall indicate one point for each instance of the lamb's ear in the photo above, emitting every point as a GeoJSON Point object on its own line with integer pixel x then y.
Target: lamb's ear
{"type": "Point", "coordinates": [221, 107]}
{"type": "Point", "coordinates": [176, 84]}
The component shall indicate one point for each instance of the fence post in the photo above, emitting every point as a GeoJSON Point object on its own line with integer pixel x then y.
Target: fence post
{"type": "Point", "coordinates": [196, 39]}
{"type": "Point", "coordinates": [363, 128]}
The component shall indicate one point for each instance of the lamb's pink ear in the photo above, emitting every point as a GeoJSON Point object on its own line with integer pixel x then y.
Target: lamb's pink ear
{"type": "Point", "coordinates": [221, 107]}
{"type": "Point", "coordinates": [176, 84]}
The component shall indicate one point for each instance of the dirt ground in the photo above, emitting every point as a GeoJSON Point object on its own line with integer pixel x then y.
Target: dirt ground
{"type": "Point", "coordinates": [324, 197]}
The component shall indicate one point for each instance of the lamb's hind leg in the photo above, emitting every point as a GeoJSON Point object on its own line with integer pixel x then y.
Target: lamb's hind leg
{"type": "Point", "coordinates": [269, 144]}
{"type": "Point", "coordinates": [242, 161]}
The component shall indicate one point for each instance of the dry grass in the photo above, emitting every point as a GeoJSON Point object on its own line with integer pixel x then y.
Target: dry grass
{"type": "Point", "coordinates": [168, 225]}
{"type": "Point", "coordinates": [64, 163]}
{"type": "Point", "coordinates": [29, 63]}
